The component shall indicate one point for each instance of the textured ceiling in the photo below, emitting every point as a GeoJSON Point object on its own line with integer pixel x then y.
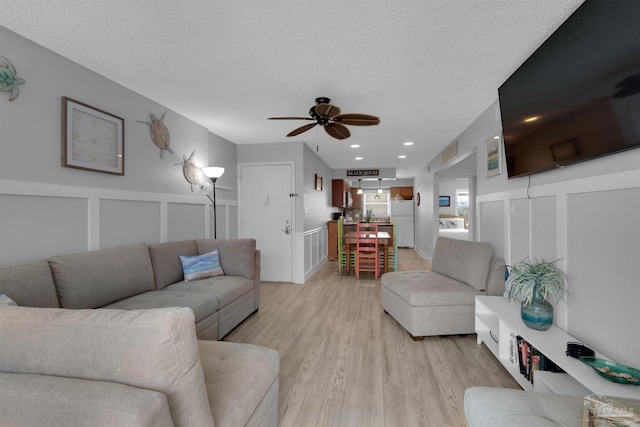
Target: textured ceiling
{"type": "Point", "coordinates": [427, 68]}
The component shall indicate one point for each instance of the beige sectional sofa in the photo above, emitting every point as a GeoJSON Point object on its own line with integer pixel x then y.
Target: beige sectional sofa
{"type": "Point", "coordinates": [145, 276]}
{"type": "Point", "coordinates": [129, 368]}
{"type": "Point", "coordinates": [107, 338]}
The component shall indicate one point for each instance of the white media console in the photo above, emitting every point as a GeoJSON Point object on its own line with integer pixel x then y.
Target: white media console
{"type": "Point", "coordinates": [497, 324]}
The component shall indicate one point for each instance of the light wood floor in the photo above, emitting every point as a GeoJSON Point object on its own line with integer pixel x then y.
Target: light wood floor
{"type": "Point", "coordinates": [344, 362]}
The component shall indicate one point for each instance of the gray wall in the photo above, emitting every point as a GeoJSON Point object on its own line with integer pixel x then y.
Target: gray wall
{"type": "Point", "coordinates": [71, 210]}
{"type": "Point", "coordinates": [583, 215]}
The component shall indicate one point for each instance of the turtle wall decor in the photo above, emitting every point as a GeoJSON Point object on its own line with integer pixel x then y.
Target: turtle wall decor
{"type": "Point", "coordinates": [159, 133]}
{"type": "Point", "coordinates": [190, 170]}
{"type": "Point", "coordinates": [8, 80]}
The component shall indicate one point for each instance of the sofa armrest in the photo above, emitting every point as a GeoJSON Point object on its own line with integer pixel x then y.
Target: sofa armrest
{"type": "Point", "coordinates": [256, 281]}
{"type": "Point", "coordinates": [496, 280]}
{"type": "Point", "coordinates": [151, 349]}
{"type": "Point", "coordinates": [39, 400]}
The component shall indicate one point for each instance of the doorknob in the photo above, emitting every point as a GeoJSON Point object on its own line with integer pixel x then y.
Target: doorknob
{"type": "Point", "coordinates": [287, 229]}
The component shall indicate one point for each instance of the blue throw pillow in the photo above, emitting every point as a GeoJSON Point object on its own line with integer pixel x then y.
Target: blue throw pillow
{"type": "Point", "coordinates": [201, 266]}
{"type": "Point", "coordinates": [5, 300]}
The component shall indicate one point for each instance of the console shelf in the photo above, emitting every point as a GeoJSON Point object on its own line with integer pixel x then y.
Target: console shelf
{"type": "Point", "coordinates": [498, 319]}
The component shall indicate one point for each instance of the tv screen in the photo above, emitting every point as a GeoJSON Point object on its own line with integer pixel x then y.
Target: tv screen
{"type": "Point", "coordinates": [578, 96]}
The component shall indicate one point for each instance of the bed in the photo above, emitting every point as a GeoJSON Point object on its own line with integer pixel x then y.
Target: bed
{"type": "Point", "coordinates": [453, 226]}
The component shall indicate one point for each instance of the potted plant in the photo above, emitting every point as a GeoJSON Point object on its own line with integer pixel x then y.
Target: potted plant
{"type": "Point", "coordinates": [537, 283]}
{"type": "Point", "coordinates": [367, 216]}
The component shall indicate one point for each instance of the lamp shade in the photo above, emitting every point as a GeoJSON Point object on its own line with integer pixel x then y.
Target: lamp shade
{"type": "Point", "coordinates": [213, 171]}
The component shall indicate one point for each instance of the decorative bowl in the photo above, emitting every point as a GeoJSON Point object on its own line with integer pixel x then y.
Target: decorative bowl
{"type": "Point", "coordinates": [613, 371]}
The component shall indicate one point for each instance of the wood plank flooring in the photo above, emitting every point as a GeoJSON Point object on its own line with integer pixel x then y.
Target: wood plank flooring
{"type": "Point", "coordinates": [344, 362]}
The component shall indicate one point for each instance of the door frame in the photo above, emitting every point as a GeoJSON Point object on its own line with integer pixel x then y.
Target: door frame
{"type": "Point", "coordinates": [292, 206]}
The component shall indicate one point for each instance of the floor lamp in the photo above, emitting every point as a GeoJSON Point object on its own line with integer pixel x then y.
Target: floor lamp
{"type": "Point", "coordinates": [213, 173]}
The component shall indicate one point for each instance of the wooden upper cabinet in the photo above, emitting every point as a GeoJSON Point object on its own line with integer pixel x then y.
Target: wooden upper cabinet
{"type": "Point", "coordinates": [357, 199]}
{"type": "Point", "coordinates": [405, 192]}
{"type": "Point", "coordinates": [339, 189]}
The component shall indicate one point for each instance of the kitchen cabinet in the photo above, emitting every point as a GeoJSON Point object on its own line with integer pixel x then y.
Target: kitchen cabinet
{"type": "Point", "coordinates": [357, 199]}
{"type": "Point", "coordinates": [339, 190]}
{"type": "Point", "coordinates": [333, 240]}
{"type": "Point", "coordinates": [405, 192]}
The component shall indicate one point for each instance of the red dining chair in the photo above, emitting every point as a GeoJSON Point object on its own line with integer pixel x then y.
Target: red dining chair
{"type": "Point", "coordinates": [367, 255]}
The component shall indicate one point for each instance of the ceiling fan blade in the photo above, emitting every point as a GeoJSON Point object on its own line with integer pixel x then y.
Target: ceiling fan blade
{"type": "Point", "coordinates": [289, 118]}
{"type": "Point", "coordinates": [301, 129]}
{"type": "Point", "coordinates": [337, 131]}
{"type": "Point", "coordinates": [327, 110]}
{"type": "Point", "coordinates": [357, 119]}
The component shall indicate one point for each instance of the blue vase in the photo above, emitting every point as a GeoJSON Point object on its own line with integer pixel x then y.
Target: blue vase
{"type": "Point", "coordinates": [539, 314]}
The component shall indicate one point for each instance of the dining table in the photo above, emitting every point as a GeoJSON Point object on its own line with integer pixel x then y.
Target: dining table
{"type": "Point", "coordinates": [350, 238]}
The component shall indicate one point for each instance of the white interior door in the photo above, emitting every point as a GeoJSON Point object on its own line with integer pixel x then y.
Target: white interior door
{"type": "Point", "coordinates": [266, 214]}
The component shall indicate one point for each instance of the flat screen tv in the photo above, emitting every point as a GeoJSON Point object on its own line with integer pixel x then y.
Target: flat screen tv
{"type": "Point", "coordinates": [578, 96]}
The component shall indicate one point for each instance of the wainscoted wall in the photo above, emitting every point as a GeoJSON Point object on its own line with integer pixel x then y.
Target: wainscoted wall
{"type": "Point", "coordinates": [315, 250]}
{"type": "Point", "coordinates": [38, 220]}
{"type": "Point", "coordinates": [590, 225]}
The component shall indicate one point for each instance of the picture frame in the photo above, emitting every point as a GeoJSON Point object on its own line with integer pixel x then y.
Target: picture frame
{"type": "Point", "coordinates": [92, 139]}
{"type": "Point", "coordinates": [318, 182]}
{"type": "Point", "coordinates": [494, 156]}
{"type": "Point", "coordinates": [444, 201]}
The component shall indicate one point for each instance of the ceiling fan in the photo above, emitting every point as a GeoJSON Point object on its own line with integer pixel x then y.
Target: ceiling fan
{"type": "Point", "coordinates": [328, 116]}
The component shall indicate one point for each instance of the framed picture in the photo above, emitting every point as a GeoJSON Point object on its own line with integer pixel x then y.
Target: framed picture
{"type": "Point", "coordinates": [318, 185]}
{"type": "Point", "coordinates": [494, 156]}
{"type": "Point", "coordinates": [91, 139]}
{"type": "Point", "coordinates": [444, 201]}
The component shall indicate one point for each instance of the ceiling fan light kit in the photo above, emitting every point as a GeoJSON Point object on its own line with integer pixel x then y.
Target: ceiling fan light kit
{"type": "Point", "coordinates": [330, 118]}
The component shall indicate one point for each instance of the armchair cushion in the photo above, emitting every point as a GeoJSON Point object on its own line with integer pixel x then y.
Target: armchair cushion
{"type": "Point", "coordinates": [473, 270]}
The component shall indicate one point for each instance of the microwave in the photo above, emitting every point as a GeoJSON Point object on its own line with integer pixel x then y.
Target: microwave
{"type": "Point", "coordinates": [348, 199]}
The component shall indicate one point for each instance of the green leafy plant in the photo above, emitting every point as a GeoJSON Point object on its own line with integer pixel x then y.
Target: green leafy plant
{"type": "Point", "coordinates": [368, 214]}
{"type": "Point", "coordinates": [545, 277]}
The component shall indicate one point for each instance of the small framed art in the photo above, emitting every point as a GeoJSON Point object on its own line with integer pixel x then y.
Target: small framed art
{"type": "Point", "coordinates": [494, 156]}
{"type": "Point", "coordinates": [318, 182]}
{"type": "Point", "coordinates": [92, 139]}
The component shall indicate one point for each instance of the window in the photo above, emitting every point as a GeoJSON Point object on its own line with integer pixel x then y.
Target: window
{"type": "Point", "coordinates": [462, 204]}
{"type": "Point", "coordinates": [379, 206]}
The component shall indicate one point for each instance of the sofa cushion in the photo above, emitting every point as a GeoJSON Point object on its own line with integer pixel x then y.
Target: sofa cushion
{"type": "Point", "coordinates": [165, 258]}
{"type": "Point", "coordinates": [42, 400]}
{"type": "Point", "coordinates": [429, 289]}
{"type": "Point", "coordinates": [226, 288]}
{"type": "Point", "coordinates": [29, 285]}
{"type": "Point", "coordinates": [203, 305]}
{"type": "Point", "coordinates": [151, 349]}
{"type": "Point", "coordinates": [237, 377]}
{"type": "Point", "coordinates": [201, 266]}
{"type": "Point", "coordinates": [501, 407]}
{"type": "Point", "coordinates": [237, 256]}
{"type": "Point", "coordinates": [97, 278]}
{"type": "Point", "coordinates": [462, 260]}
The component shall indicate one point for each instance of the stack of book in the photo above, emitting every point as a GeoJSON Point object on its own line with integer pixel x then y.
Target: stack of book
{"type": "Point", "coordinates": [531, 360]}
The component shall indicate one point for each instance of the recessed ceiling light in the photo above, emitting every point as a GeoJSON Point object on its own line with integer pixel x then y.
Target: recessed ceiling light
{"type": "Point", "coordinates": [531, 119]}
{"type": "Point", "coordinates": [408, 143]}
{"type": "Point", "coordinates": [358, 158]}
{"type": "Point", "coordinates": [402, 156]}
{"type": "Point", "coordinates": [354, 146]}
{"type": "Point", "coordinates": [496, 137]}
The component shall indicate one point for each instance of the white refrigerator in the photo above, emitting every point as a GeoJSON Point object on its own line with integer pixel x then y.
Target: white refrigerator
{"type": "Point", "coordinates": [402, 212]}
